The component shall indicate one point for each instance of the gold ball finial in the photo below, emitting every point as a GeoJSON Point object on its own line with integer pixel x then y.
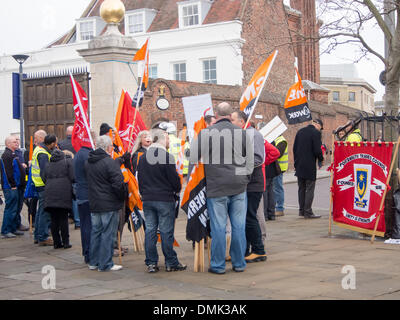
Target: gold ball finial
{"type": "Point", "coordinates": [112, 11]}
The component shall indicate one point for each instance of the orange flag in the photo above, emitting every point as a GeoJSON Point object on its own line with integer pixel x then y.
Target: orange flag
{"type": "Point", "coordinates": [250, 97]}
{"type": "Point", "coordinates": [141, 54]}
{"type": "Point", "coordinates": [296, 106]}
{"type": "Point", "coordinates": [31, 149]}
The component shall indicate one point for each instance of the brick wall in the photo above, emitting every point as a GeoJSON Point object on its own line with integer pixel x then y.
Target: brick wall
{"type": "Point", "coordinates": [269, 106]}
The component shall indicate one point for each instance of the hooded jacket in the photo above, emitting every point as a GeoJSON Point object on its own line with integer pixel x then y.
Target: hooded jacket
{"type": "Point", "coordinates": [58, 178]}
{"type": "Point", "coordinates": [107, 190]}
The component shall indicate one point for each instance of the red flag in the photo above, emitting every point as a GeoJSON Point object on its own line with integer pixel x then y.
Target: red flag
{"type": "Point", "coordinates": [80, 134]}
{"type": "Point", "coordinates": [124, 120]}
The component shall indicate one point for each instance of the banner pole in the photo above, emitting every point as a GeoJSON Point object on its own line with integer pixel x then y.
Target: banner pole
{"type": "Point", "coordinates": [332, 172]}
{"type": "Point", "coordinates": [119, 248]}
{"type": "Point", "coordinates": [133, 233]}
{"type": "Point", "coordinates": [196, 256]}
{"type": "Point", "coordinates": [202, 255]}
{"type": "Point", "coordinates": [385, 192]}
{"type": "Point", "coordinates": [262, 88]}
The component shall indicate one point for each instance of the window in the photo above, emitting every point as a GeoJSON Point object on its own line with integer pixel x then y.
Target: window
{"type": "Point", "coordinates": [180, 71]}
{"type": "Point", "coordinates": [135, 22]}
{"type": "Point", "coordinates": [86, 30]}
{"type": "Point", "coordinates": [352, 96]}
{"type": "Point", "coordinates": [153, 72]}
{"type": "Point", "coordinates": [336, 95]}
{"type": "Point", "coordinates": [190, 15]}
{"type": "Point", "coordinates": [210, 71]}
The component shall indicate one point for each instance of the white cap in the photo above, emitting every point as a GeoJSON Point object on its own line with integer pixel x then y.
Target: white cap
{"type": "Point", "coordinates": [170, 127]}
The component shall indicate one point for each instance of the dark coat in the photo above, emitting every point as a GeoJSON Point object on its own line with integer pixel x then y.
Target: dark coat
{"type": "Point", "coordinates": [107, 190]}
{"type": "Point", "coordinates": [306, 151]}
{"type": "Point", "coordinates": [13, 173]}
{"type": "Point", "coordinates": [66, 144]}
{"type": "Point", "coordinates": [135, 158]}
{"type": "Point", "coordinates": [80, 159]}
{"type": "Point", "coordinates": [58, 179]}
{"type": "Point", "coordinates": [225, 177]}
{"type": "Point", "coordinates": [158, 181]}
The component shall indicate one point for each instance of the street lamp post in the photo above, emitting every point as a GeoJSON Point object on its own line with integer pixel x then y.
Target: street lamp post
{"type": "Point", "coordinates": [21, 58]}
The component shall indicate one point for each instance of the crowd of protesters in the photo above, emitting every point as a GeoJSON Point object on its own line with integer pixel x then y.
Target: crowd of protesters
{"type": "Point", "coordinates": [89, 186]}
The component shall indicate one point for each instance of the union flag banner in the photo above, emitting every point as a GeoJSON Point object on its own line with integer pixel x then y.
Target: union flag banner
{"type": "Point", "coordinates": [296, 106]}
{"type": "Point", "coordinates": [81, 133]}
{"type": "Point", "coordinates": [359, 182]}
{"type": "Point", "coordinates": [250, 97]}
{"type": "Point", "coordinates": [124, 120]}
{"type": "Point", "coordinates": [194, 201]}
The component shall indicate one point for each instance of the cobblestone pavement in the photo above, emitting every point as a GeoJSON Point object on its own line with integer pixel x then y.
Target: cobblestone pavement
{"type": "Point", "coordinates": [303, 263]}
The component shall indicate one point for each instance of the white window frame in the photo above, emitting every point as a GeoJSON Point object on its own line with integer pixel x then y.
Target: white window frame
{"type": "Point", "coordinates": [150, 73]}
{"type": "Point", "coordinates": [128, 17]}
{"type": "Point", "coordinates": [192, 15]}
{"type": "Point", "coordinates": [180, 73]}
{"type": "Point", "coordinates": [210, 80]}
{"type": "Point", "coordinates": [93, 22]}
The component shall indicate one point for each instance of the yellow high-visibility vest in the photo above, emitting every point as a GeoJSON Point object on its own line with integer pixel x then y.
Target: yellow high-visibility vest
{"type": "Point", "coordinates": [175, 148]}
{"type": "Point", "coordinates": [284, 160]}
{"type": "Point", "coordinates": [37, 180]}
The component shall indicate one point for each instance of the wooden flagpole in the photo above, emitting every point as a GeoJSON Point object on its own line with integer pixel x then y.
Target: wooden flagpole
{"type": "Point", "coordinates": [119, 248]}
{"type": "Point", "coordinates": [30, 224]}
{"type": "Point", "coordinates": [386, 188]}
{"type": "Point", "coordinates": [209, 250]}
{"type": "Point", "coordinates": [332, 172]}
{"type": "Point", "coordinates": [262, 88]}
{"type": "Point", "coordinates": [196, 256]}
{"type": "Point", "coordinates": [133, 234]}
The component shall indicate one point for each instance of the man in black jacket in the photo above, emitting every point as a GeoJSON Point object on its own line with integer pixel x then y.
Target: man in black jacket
{"type": "Point", "coordinates": [107, 192]}
{"type": "Point", "coordinates": [306, 150]}
{"type": "Point", "coordinates": [158, 184]}
{"type": "Point", "coordinates": [13, 184]}
{"type": "Point", "coordinates": [66, 144]}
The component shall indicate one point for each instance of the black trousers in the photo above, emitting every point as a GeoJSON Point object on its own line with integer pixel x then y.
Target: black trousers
{"type": "Point", "coordinates": [86, 227]}
{"type": "Point", "coordinates": [59, 224]}
{"type": "Point", "coordinates": [269, 198]}
{"type": "Point", "coordinates": [306, 195]}
{"type": "Point", "coordinates": [253, 231]}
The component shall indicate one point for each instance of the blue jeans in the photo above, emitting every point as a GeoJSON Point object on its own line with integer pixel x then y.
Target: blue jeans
{"type": "Point", "coordinates": [10, 220]}
{"type": "Point", "coordinates": [160, 215]}
{"type": "Point", "coordinates": [104, 231]}
{"type": "Point", "coordinates": [86, 227]}
{"type": "Point", "coordinates": [219, 209]}
{"type": "Point", "coordinates": [42, 220]}
{"type": "Point", "coordinates": [279, 192]}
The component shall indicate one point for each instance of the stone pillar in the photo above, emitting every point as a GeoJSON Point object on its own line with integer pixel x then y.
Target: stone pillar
{"type": "Point", "coordinates": [108, 56]}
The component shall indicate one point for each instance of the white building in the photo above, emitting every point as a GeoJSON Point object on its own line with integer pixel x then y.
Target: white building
{"type": "Point", "coordinates": [189, 43]}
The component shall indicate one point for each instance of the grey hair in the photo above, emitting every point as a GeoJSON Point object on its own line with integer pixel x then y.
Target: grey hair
{"type": "Point", "coordinates": [223, 109]}
{"type": "Point", "coordinates": [158, 136]}
{"type": "Point", "coordinates": [8, 139]}
{"type": "Point", "coordinates": [103, 142]}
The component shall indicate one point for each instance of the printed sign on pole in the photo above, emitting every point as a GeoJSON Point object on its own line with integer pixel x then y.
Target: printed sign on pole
{"type": "Point", "coordinates": [196, 107]}
{"type": "Point", "coordinates": [273, 129]}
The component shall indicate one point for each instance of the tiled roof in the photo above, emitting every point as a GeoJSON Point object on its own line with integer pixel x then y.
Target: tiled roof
{"type": "Point", "coordinates": [167, 16]}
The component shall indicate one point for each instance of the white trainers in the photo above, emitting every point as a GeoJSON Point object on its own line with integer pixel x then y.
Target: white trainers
{"type": "Point", "coordinates": [116, 267]}
{"type": "Point", "coordinates": [92, 267]}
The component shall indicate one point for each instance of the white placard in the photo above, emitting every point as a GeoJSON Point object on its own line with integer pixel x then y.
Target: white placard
{"type": "Point", "coordinates": [273, 129]}
{"type": "Point", "coordinates": [195, 107]}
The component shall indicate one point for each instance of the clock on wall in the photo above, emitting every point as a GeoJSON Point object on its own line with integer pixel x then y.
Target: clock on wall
{"type": "Point", "coordinates": [162, 103]}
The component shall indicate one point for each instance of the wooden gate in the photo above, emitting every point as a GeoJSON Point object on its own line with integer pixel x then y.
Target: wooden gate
{"type": "Point", "coordinates": [48, 102]}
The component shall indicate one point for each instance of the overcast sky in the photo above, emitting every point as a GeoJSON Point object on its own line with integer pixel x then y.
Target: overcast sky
{"type": "Point", "coordinates": [28, 25]}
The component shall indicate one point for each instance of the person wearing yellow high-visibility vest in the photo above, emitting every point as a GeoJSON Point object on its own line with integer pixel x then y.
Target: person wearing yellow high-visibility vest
{"type": "Point", "coordinates": [283, 161]}
{"type": "Point", "coordinates": [40, 158]}
{"type": "Point", "coordinates": [175, 147]}
{"type": "Point", "coordinates": [354, 136]}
